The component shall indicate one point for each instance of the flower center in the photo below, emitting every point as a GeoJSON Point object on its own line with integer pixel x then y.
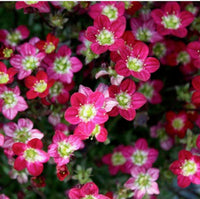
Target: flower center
{"type": "Point", "coordinates": [105, 37]}
{"type": "Point", "coordinates": [30, 63]}
{"type": "Point", "coordinates": [62, 65]}
{"type": "Point", "coordinates": [14, 37]}
{"type": "Point", "coordinates": [171, 22]}
{"type": "Point", "coordinates": [7, 52]}
{"type": "Point", "coordinates": [22, 135]}
{"type": "Point", "coordinates": [89, 197]}
{"type": "Point", "coordinates": [56, 89]}
{"type": "Point", "coordinates": [87, 112]}
{"type": "Point", "coordinates": [31, 155]}
{"type": "Point", "coordinates": [9, 98]}
{"type": "Point", "coordinates": [147, 90]}
{"type": "Point", "coordinates": [183, 57]}
{"type": "Point", "coordinates": [31, 2]}
{"type": "Point", "coordinates": [40, 86]}
{"type": "Point", "coordinates": [127, 4]}
{"type": "Point", "coordinates": [49, 48]}
{"type": "Point", "coordinates": [111, 12]}
{"type": "Point", "coordinates": [139, 157]}
{"type": "Point", "coordinates": [69, 4]}
{"type": "Point", "coordinates": [143, 34]}
{"type": "Point", "coordinates": [143, 180]}
{"type": "Point", "coordinates": [118, 159]}
{"type": "Point", "coordinates": [134, 64]}
{"type": "Point", "coordinates": [4, 78]}
{"type": "Point", "coordinates": [124, 100]}
{"type": "Point", "coordinates": [189, 168]}
{"type": "Point", "coordinates": [178, 123]}
{"type": "Point", "coordinates": [65, 149]}
{"type": "Point", "coordinates": [159, 50]}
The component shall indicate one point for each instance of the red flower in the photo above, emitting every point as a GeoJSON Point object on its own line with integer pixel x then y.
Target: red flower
{"type": "Point", "coordinates": [38, 181]}
{"type": "Point", "coordinates": [62, 172]}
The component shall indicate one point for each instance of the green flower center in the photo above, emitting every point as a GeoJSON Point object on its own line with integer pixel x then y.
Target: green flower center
{"type": "Point", "coordinates": [105, 37]}
{"type": "Point", "coordinates": [143, 34]}
{"type": "Point", "coordinates": [139, 157]}
{"type": "Point", "coordinates": [171, 22]}
{"type": "Point", "coordinates": [62, 65]}
{"type": "Point", "coordinates": [4, 78]}
{"type": "Point", "coordinates": [178, 123]}
{"type": "Point", "coordinates": [111, 12]}
{"type": "Point", "coordinates": [31, 155]}
{"type": "Point", "coordinates": [87, 112]}
{"type": "Point", "coordinates": [147, 90]}
{"type": "Point", "coordinates": [30, 63]}
{"type": "Point", "coordinates": [134, 64]}
{"type": "Point", "coordinates": [31, 2]}
{"type": "Point", "coordinates": [162, 134]}
{"type": "Point", "coordinates": [89, 197]}
{"type": "Point", "coordinates": [65, 149]}
{"type": "Point", "coordinates": [7, 52]}
{"type": "Point", "coordinates": [56, 89]}
{"type": "Point", "coordinates": [143, 180]}
{"type": "Point", "coordinates": [49, 48]}
{"type": "Point", "coordinates": [159, 50]}
{"type": "Point", "coordinates": [22, 135]}
{"type": "Point", "coordinates": [183, 57]}
{"type": "Point", "coordinates": [40, 86]}
{"type": "Point", "coordinates": [14, 38]}
{"type": "Point", "coordinates": [127, 4]}
{"type": "Point", "coordinates": [68, 5]}
{"type": "Point", "coordinates": [189, 168]}
{"type": "Point", "coordinates": [124, 100]}
{"type": "Point", "coordinates": [118, 159]}
{"type": "Point", "coordinates": [9, 98]}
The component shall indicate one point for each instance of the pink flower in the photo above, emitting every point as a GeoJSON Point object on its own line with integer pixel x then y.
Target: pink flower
{"type": "Point", "coordinates": [111, 9]}
{"type": "Point", "coordinates": [61, 65]}
{"type": "Point", "coordinates": [11, 102]}
{"type": "Point", "coordinates": [140, 155]}
{"type": "Point", "coordinates": [31, 6]}
{"type": "Point", "coordinates": [87, 110]}
{"type": "Point", "coordinates": [105, 35]}
{"type": "Point", "coordinates": [28, 60]}
{"type": "Point", "coordinates": [1, 140]}
{"type": "Point", "coordinates": [136, 63]}
{"type": "Point", "coordinates": [151, 89]}
{"type": "Point", "coordinates": [116, 160]}
{"type": "Point", "coordinates": [39, 86]}
{"type": "Point", "coordinates": [171, 20]}
{"type": "Point", "coordinates": [63, 147]}
{"type": "Point", "coordinates": [13, 38]}
{"type": "Point", "coordinates": [21, 132]}
{"type": "Point", "coordinates": [196, 94]}
{"type": "Point", "coordinates": [143, 182]}
{"type": "Point", "coordinates": [30, 156]}
{"type": "Point", "coordinates": [87, 191]}
{"type": "Point", "coordinates": [128, 100]}
{"type": "Point", "coordinates": [187, 168]}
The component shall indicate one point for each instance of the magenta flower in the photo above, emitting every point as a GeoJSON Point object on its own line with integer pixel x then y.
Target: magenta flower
{"type": "Point", "coordinates": [30, 156]}
{"type": "Point", "coordinates": [1, 140]}
{"type": "Point", "coordinates": [136, 63]}
{"type": "Point", "coordinates": [87, 110]}
{"type": "Point", "coordinates": [63, 147]}
{"type": "Point", "coordinates": [11, 102]}
{"type": "Point", "coordinates": [21, 132]}
{"type": "Point", "coordinates": [105, 35]}
{"type": "Point", "coordinates": [87, 191]}
{"type": "Point", "coordinates": [128, 100]}
{"type": "Point", "coordinates": [187, 168]}
{"type": "Point", "coordinates": [140, 155]}
{"type": "Point", "coordinates": [111, 9]}
{"type": "Point", "coordinates": [61, 66]}
{"type": "Point", "coordinates": [143, 182]}
{"type": "Point", "coordinates": [28, 60]}
{"type": "Point", "coordinates": [171, 20]}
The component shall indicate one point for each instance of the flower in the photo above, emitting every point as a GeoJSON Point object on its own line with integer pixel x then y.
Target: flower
{"type": "Point", "coordinates": [28, 60]}
{"type": "Point", "coordinates": [11, 102]}
{"type": "Point", "coordinates": [39, 86]}
{"type": "Point", "coordinates": [171, 20]}
{"type": "Point", "coordinates": [105, 35]}
{"type": "Point", "coordinates": [136, 63]}
{"type": "Point", "coordinates": [196, 94]}
{"type": "Point", "coordinates": [62, 172]}
{"type": "Point", "coordinates": [186, 168]}
{"type": "Point", "coordinates": [143, 182]}
{"type": "Point", "coordinates": [30, 156]}
{"type": "Point", "coordinates": [38, 181]}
